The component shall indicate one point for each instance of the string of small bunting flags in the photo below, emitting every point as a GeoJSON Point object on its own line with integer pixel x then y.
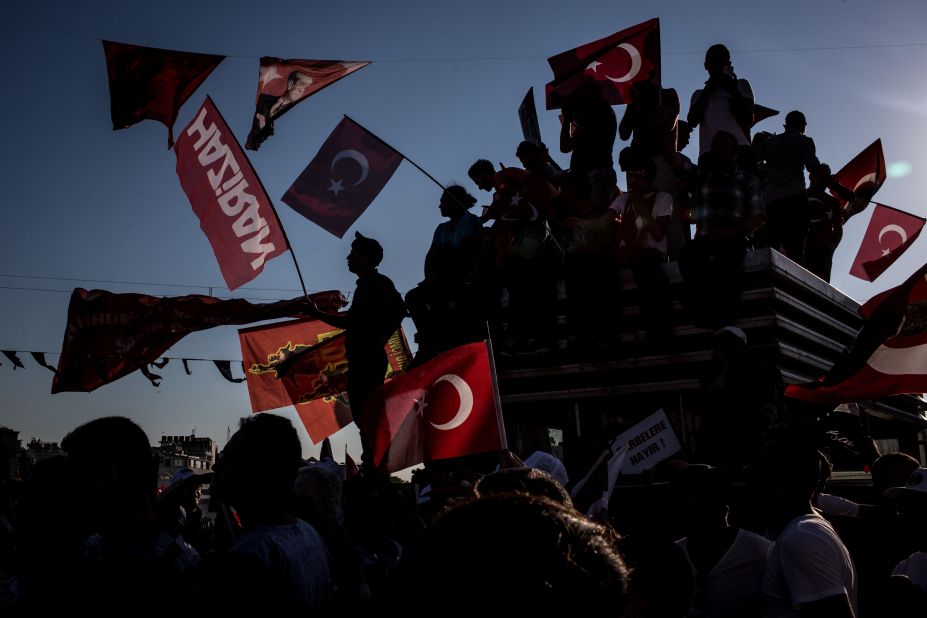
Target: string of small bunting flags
{"type": "Point", "coordinates": [224, 366]}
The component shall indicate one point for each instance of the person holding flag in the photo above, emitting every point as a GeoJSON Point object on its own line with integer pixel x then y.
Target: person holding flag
{"type": "Point", "coordinates": [375, 313]}
{"type": "Point", "coordinates": [826, 219]}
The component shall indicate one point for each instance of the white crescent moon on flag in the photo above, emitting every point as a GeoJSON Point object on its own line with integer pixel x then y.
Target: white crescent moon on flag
{"type": "Point", "coordinates": [466, 402]}
{"type": "Point", "coordinates": [635, 64]}
{"type": "Point", "coordinates": [897, 229]}
{"type": "Point", "coordinates": [357, 156]}
{"type": "Point", "coordinates": [867, 178]}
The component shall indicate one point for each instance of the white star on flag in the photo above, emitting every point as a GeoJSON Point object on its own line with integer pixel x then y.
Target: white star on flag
{"type": "Point", "coordinates": [593, 66]}
{"type": "Point", "coordinates": [516, 199]}
{"type": "Point", "coordinates": [419, 406]}
{"type": "Point", "coordinates": [336, 187]}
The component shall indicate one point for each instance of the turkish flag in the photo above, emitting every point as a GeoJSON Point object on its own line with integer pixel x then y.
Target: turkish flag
{"type": "Point", "coordinates": [889, 355]}
{"type": "Point", "coordinates": [889, 234]}
{"type": "Point", "coordinates": [284, 83]}
{"type": "Point", "coordinates": [615, 63]}
{"type": "Point", "coordinates": [111, 335]}
{"type": "Point", "coordinates": [342, 180]}
{"type": "Point", "coordinates": [446, 407]}
{"type": "Point", "coordinates": [320, 368]}
{"type": "Point", "coordinates": [227, 196]}
{"type": "Point", "coordinates": [865, 173]}
{"type": "Point", "coordinates": [152, 84]}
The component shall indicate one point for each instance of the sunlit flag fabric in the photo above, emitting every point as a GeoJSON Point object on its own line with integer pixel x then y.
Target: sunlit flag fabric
{"type": "Point", "coordinates": [342, 180]}
{"type": "Point", "coordinates": [265, 348]}
{"type": "Point", "coordinates": [889, 234]}
{"type": "Point", "coordinates": [109, 335]}
{"type": "Point", "coordinates": [615, 63]}
{"type": "Point", "coordinates": [446, 407]}
{"type": "Point", "coordinates": [234, 210]}
{"type": "Point", "coordinates": [889, 355]}
{"type": "Point", "coordinates": [284, 83]}
{"type": "Point", "coordinates": [865, 173]}
{"type": "Point", "coordinates": [146, 83]}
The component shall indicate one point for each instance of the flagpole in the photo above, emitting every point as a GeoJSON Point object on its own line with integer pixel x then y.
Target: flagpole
{"type": "Point", "coordinates": [904, 212]}
{"type": "Point", "coordinates": [416, 165]}
{"type": "Point", "coordinates": [495, 391]}
{"type": "Point", "coordinates": [388, 145]}
{"type": "Point", "coordinates": [271, 202]}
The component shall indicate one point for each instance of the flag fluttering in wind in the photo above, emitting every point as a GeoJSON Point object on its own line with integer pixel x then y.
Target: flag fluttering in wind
{"type": "Point", "coordinates": [446, 407]}
{"type": "Point", "coordinates": [889, 234]}
{"type": "Point", "coordinates": [229, 199]}
{"type": "Point", "coordinates": [146, 83]}
{"type": "Point", "coordinates": [109, 335]}
{"type": "Point", "coordinates": [303, 363]}
{"type": "Point", "coordinates": [889, 355]}
{"type": "Point", "coordinates": [615, 63]}
{"type": "Point", "coordinates": [865, 173]}
{"type": "Point", "coordinates": [528, 117]}
{"type": "Point", "coordinates": [284, 83]}
{"type": "Point", "coordinates": [342, 180]}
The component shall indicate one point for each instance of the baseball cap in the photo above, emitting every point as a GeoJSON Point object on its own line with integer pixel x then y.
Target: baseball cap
{"type": "Point", "coordinates": [917, 484]}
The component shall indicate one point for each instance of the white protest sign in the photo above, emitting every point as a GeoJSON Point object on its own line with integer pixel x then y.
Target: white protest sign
{"type": "Point", "coordinates": [648, 443]}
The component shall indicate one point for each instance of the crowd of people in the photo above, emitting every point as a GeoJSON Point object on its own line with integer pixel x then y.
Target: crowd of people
{"type": "Point", "coordinates": [88, 533]}
{"type": "Point", "coordinates": [751, 533]}
{"type": "Point", "coordinates": [545, 224]}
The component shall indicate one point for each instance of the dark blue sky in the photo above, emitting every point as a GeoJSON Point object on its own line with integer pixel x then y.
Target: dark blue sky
{"type": "Point", "coordinates": [82, 202]}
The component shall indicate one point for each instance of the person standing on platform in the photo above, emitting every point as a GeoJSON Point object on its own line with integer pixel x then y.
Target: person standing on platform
{"type": "Point", "coordinates": [376, 312]}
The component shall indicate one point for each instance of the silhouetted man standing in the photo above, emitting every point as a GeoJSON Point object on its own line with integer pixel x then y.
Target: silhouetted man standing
{"type": "Point", "coordinates": [375, 313]}
{"type": "Point", "coordinates": [724, 104]}
{"type": "Point", "coordinates": [787, 156]}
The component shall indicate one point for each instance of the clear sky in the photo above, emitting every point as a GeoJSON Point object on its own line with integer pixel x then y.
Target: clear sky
{"type": "Point", "coordinates": [87, 206]}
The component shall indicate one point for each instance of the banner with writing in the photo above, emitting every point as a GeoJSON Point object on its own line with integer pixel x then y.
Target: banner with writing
{"type": "Point", "coordinates": [648, 443]}
{"type": "Point", "coordinates": [227, 196]}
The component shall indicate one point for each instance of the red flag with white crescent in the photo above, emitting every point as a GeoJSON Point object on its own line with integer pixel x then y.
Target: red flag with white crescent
{"type": "Point", "coordinates": [889, 234]}
{"type": "Point", "coordinates": [342, 180]}
{"type": "Point", "coordinates": [234, 211]}
{"type": "Point", "coordinates": [284, 83]}
{"type": "Point", "coordinates": [615, 63]}
{"type": "Point", "coordinates": [889, 355]}
{"type": "Point", "coordinates": [865, 173]}
{"type": "Point", "coordinates": [444, 408]}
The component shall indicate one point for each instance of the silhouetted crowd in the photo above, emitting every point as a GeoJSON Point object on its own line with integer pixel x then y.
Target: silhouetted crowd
{"type": "Point", "coordinates": [87, 533]}
{"type": "Point", "coordinates": [750, 530]}
{"type": "Point", "coordinates": [577, 227]}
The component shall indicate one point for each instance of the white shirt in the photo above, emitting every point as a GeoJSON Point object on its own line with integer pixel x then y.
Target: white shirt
{"type": "Point", "coordinates": [836, 506]}
{"type": "Point", "coordinates": [808, 563]}
{"type": "Point", "coordinates": [720, 117]}
{"type": "Point", "coordinates": [732, 587]}
{"type": "Point", "coordinates": [662, 207]}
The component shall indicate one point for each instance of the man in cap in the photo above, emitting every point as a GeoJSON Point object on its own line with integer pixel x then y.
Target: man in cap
{"type": "Point", "coordinates": [375, 313]}
{"type": "Point", "coordinates": [787, 156]}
